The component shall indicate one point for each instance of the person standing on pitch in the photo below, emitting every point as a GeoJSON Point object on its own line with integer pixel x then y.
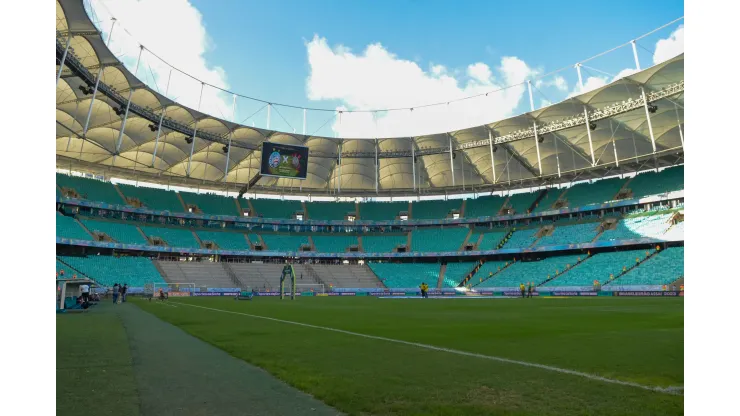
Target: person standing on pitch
{"type": "Point", "coordinates": [125, 289]}
{"type": "Point", "coordinates": [85, 293]}
{"type": "Point", "coordinates": [529, 290]}
{"type": "Point", "coordinates": [115, 293]}
{"type": "Point", "coordinates": [522, 289]}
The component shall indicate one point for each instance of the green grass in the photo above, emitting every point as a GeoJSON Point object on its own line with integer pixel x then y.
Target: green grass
{"type": "Point", "coordinates": [94, 369]}
{"type": "Point", "coordinates": [639, 340]}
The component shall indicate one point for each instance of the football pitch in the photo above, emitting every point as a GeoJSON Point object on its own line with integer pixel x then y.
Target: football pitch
{"type": "Point", "coordinates": [605, 356]}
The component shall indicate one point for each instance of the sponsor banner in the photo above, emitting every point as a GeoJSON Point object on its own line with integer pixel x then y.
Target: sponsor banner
{"type": "Point", "coordinates": [214, 294]}
{"type": "Point", "coordinates": [178, 294]}
{"type": "Point", "coordinates": [449, 293]}
{"type": "Point", "coordinates": [572, 293]}
{"type": "Point", "coordinates": [378, 293]}
{"type": "Point", "coordinates": [519, 293]}
{"type": "Point", "coordinates": [486, 293]}
{"type": "Point", "coordinates": [648, 293]}
{"type": "Point", "coordinates": [267, 293]}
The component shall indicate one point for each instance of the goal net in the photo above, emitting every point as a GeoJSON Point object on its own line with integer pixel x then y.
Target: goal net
{"type": "Point", "coordinates": [174, 289]}
{"type": "Point", "coordinates": [308, 287]}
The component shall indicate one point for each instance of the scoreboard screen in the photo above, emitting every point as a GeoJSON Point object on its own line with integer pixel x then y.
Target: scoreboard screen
{"type": "Point", "coordinates": [284, 160]}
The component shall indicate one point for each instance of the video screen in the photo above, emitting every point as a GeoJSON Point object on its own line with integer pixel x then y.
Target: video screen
{"type": "Point", "coordinates": [284, 160]}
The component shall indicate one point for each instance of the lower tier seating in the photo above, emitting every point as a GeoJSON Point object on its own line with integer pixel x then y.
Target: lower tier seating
{"type": "Point", "coordinates": [661, 269]}
{"type": "Point", "coordinates": [200, 273]}
{"type": "Point", "coordinates": [598, 267]}
{"type": "Point", "coordinates": [530, 271]}
{"type": "Point", "coordinates": [456, 272]}
{"type": "Point", "coordinates": [406, 275]}
{"type": "Point", "coordinates": [108, 270]}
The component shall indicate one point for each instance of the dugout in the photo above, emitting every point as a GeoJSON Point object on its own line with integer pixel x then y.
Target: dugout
{"type": "Point", "coordinates": [69, 290]}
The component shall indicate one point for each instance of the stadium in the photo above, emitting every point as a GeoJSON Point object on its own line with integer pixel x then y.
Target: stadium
{"type": "Point", "coordinates": [533, 264]}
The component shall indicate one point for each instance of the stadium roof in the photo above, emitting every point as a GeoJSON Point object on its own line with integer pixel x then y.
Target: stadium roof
{"type": "Point", "coordinates": [621, 141]}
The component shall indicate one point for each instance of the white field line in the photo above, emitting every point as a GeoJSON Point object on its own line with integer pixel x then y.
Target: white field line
{"type": "Point", "coordinates": [669, 390]}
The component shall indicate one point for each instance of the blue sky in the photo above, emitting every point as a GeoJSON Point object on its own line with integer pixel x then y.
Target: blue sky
{"type": "Point", "coordinates": [315, 53]}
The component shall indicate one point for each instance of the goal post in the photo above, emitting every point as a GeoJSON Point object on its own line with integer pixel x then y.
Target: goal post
{"type": "Point", "coordinates": [287, 273]}
{"type": "Point", "coordinates": [174, 289]}
{"type": "Point", "coordinates": [310, 287]}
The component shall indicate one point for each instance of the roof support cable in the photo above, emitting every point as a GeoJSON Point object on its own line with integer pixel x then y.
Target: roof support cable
{"type": "Point", "coordinates": [128, 105]}
{"type": "Point", "coordinates": [195, 131]}
{"type": "Point", "coordinates": [231, 134]}
{"type": "Point", "coordinates": [159, 126]}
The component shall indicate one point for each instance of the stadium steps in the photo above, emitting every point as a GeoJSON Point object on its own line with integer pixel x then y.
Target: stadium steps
{"type": "Point", "coordinates": [306, 215]}
{"type": "Point", "coordinates": [549, 279]}
{"type": "Point", "coordinates": [472, 273]}
{"type": "Point", "coordinates": [441, 279]}
{"type": "Point", "coordinates": [159, 268]}
{"type": "Point", "coordinates": [478, 241]}
{"type": "Point", "coordinates": [411, 214]}
{"type": "Point", "coordinates": [123, 197]}
{"type": "Point", "coordinates": [238, 207]}
{"type": "Point", "coordinates": [634, 266]}
{"type": "Point", "coordinates": [179, 198]}
{"type": "Point", "coordinates": [678, 282]}
{"type": "Point", "coordinates": [462, 208]}
{"type": "Point", "coordinates": [359, 244]}
{"type": "Point", "coordinates": [142, 234]}
{"type": "Point", "coordinates": [85, 228]}
{"type": "Point", "coordinates": [249, 243]}
{"type": "Point", "coordinates": [537, 200]}
{"type": "Point", "coordinates": [505, 204]}
{"type": "Point", "coordinates": [465, 241]}
{"type": "Point", "coordinates": [408, 242]}
{"type": "Point", "coordinates": [625, 187]}
{"type": "Point", "coordinates": [170, 271]}
{"type": "Point", "coordinates": [252, 212]}
{"type": "Point", "coordinates": [79, 273]}
{"type": "Point", "coordinates": [197, 237]}
{"type": "Point", "coordinates": [311, 244]}
{"type": "Point", "coordinates": [234, 278]}
{"type": "Point", "coordinates": [497, 273]}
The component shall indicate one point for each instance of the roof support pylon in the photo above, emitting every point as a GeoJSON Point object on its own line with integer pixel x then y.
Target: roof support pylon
{"type": "Point", "coordinates": [413, 162]}
{"type": "Point", "coordinates": [634, 52]}
{"type": "Point", "coordinates": [231, 133]}
{"type": "Point", "coordinates": [590, 143]}
{"type": "Point", "coordinates": [64, 57]}
{"type": "Point", "coordinates": [195, 131]}
{"type": "Point", "coordinates": [110, 34]}
{"type": "Point", "coordinates": [452, 165]}
{"type": "Point", "coordinates": [377, 166]}
{"type": "Point", "coordinates": [490, 149]}
{"type": "Point", "coordinates": [339, 174]}
{"type": "Point", "coordinates": [304, 121]}
{"type": "Point", "coordinates": [128, 105]}
{"type": "Point", "coordinates": [678, 121]}
{"type": "Point", "coordinates": [614, 142]}
{"type": "Point", "coordinates": [161, 117]}
{"type": "Point", "coordinates": [92, 101]}
{"type": "Point", "coordinates": [557, 153]}
{"type": "Point", "coordinates": [537, 146]}
{"type": "Point", "coordinates": [580, 77]}
{"type": "Point", "coordinates": [647, 116]}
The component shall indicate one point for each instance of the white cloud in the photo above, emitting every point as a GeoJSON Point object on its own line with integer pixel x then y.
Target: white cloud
{"type": "Point", "coordinates": [668, 48]}
{"type": "Point", "coordinates": [182, 45]}
{"type": "Point", "coordinates": [558, 82]}
{"type": "Point", "coordinates": [377, 78]}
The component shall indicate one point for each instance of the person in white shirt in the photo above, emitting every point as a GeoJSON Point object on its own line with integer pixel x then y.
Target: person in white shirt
{"type": "Point", "coordinates": [85, 293]}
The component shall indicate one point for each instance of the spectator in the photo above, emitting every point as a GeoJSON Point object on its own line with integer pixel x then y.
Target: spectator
{"type": "Point", "coordinates": [124, 289]}
{"type": "Point", "coordinates": [85, 289]}
{"type": "Point", "coordinates": [116, 288]}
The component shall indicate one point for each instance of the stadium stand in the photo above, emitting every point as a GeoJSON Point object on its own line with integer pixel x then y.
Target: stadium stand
{"type": "Point", "coordinates": [597, 192]}
{"type": "Point", "coordinates": [571, 234]}
{"type": "Point", "coordinates": [638, 227]}
{"type": "Point", "coordinates": [487, 269]}
{"type": "Point", "coordinates": [254, 238]}
{"type": "Point", "coordinates": [379, 211]}
{"type": "Point", "coordinates": [225, 240]}
{"type": "Point", "coordinates": [108, 270]}
{"type": "Point", "coordinates": [275, 208]}
{"type": "Point", "coordinates": [522, 238]}
{"type": "Point", "coordinates": [337, 275]}
{"type": "Point", "coordinates": [530, 271]}
{"type": "Point", "coordinates": [521, 202]}
{"type": "Point", "coordinates": [490, 240]}
{"type": "Point", "coordinates": [211, 204]}
{"type": "Point", "coordinates": [484, 206]}
{"type": "Point", "coordinates": [120, 232]}
{"type": "Point", "coordinates": [430, 210]}
{"type": "Point", "coordinates": [382, 243]}
{"type": "Point", "coordinates": [406, 275]}
{"type": "Point", "coordinates": [652, 183]}
{"type": "Point", "coordinates": [660, 269]}
{"type": "Point", "coordinates": [68, 272]}
{"type": "Point", "coordinates": [456, 271]}
{"type": "Point", "coordinates": [91, 189]}
{"type": "Point", "coordinates": [597, 267]}
{"type": "Point", "coordinates": [329, 210]}
{"type": "Point", "coordinates": [200, 273]}
{"type": "Point", "coordinates": [258, 276]}
{"type": "Point", "coordinates": [546, 203]}
{"type": "Point", "coordinates": [438, 239]}
{"type": "Point", "coordinates": [284, 242]}
{"type": "Point", "coordinates": [152, 198]}
{"type": "Point", "coordinates": [333, 243]}
{"type": "Point", "coordinates": [67, 227]}
{"type": "Point", "coordinates": [174, 237]}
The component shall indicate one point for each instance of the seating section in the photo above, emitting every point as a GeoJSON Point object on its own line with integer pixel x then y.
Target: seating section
{"type": "Point", "coordinates": [487, 269]}
{"type": "Point", "coordinates": [174, 237]}
{"type": "Point", "coordinates": [68, 273]}
{"type": "Point", "coordinates": [546, 203]}
{"type": "Point", "coordinates": [484, 206]}
{"type": "Point", "coordinates": [211, 204]}
{"type": "Point", "coordinates": [652, 183]}
{"type": "Point", "coordinates": [152, 198]}
{"type": "Point", "coordinates": [284, 242]}
{"type": "Point", "coordinates": [521, 202]}
{"type": "Point", "coordinates": [275, 208]}
{"type": "Point", "coordinates": [456, 272]}
{"type": "Point", "coordinates": [652, 226]}
{"type": "Point", "coordinates": [531, 271]}
{"type": "Point", "coordinates": [259, 276]}
{"type": "Point", "coordinates": [108, 270]}
{"type": "Point", "coordinates": [382, 243]}
{"type": "Point", "coordinates": [490, 239]}
{"type": "Point", "coordinates": [571, 234]}
{"type": "Point", "coordinates": [67, 227]}
{"type": "Point", "coordinates": [430, 210]}
{"type": "Point", "coordinates": [438, 239]}
{"type": "Point", "coordinates": [329, 210]}
{"type": "Point", "coordinates": [379, 211]}
{"type": "Point", "coordinates": [338, 275]}
{"type": "Point", "coordinates": [333, 244]}
{"type": "Point", "coordinates": [661, 269]}
{"type": "Point", "coordinates": [254, 238]}
{"type": "Point", "coordinates": [406, 275]}
{"type": "Point", "coordinates": [597, 267]}
{"type": "Point", "coordinates": [120, 232]}
{"type": "Point", "coordinates": [200, 273]}
{"type": "Point", "coordinates": [90, 189]}
{"type": "Point", "coordinates": [597, 192]}
{"type": "Point", "coordinates": [522, 238]}
{"type": "Point", "coordinates": [225, 240]}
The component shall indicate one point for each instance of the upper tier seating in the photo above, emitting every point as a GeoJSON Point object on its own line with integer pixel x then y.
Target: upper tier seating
{"type": "Point", "coordinates": [108, 270]}
{"type": "Point", "coordinates": [571, 234]}
{"type": "Point", "coordinates": [532, 271]}
{"type": "Point", "coordinates": [254, 238]}
{"type": "Point", "coordinates": [652, 226]}
{"type": "Point", "coordinates": [174, 237]}
{"type": "Point", "coordinates": [211, 204]}
{"type": "Point", "coordinates": [333, 243]}
{"type": "Point", "coordinates": [456, 272]}
{"type": "Point", "coordinates": [661, 269]}
{"type": "Point", "coordinates": [406, 275]}
{"type": "Point", "coordinates": [67, 227]}
{"type": "Point", "coordinates": [521, 202]}
{"type": "Point", "coordinates": [438, 239]}
{"type": "Point", "coordinates": [597, 192]}
{"type": "Point", "coordinates": [382, 243]}
{"type": "Point", "coordinates": [379, 211]}
{"type": "Point", "coordinates": [522, 238]}
{"type": "Point", "coordinates": [284, 242]}
{"type": "Point", "coordinates": [225, 240]}
{"type": "Point", "coordinates": [122, 233]}
{"type": "Point", "coordinates": [431, 210]}
{"type": "Point", "coordinates": [484, 206]}
{"type": "Point", "coordinates": [152, 198]}
{"type": "Point", "coordinates": [91, 189]}
{"type": "Point", "coordinates": [651, 183]}
{"type": "Point", "coordinates": [275, 208]}
{"type": "Point", "coordinates": [329, 210]}
{"type": "Point", "coordinates": [597, 267]}
{"type": "Point", "coordinates": [548, 200]}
